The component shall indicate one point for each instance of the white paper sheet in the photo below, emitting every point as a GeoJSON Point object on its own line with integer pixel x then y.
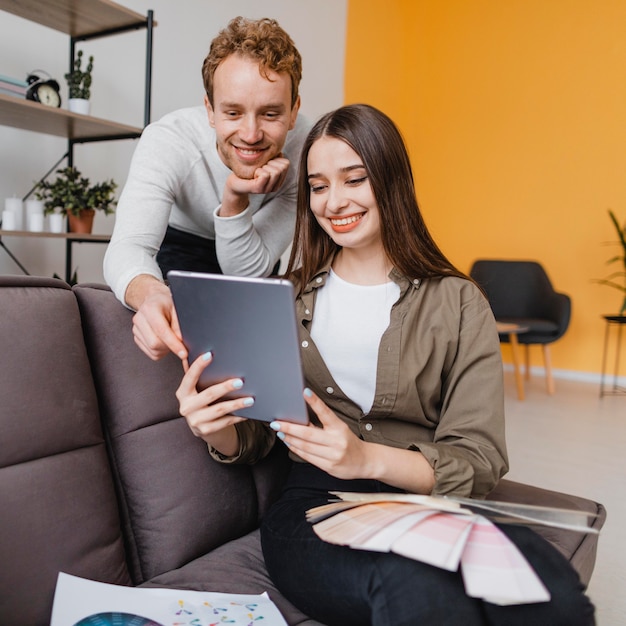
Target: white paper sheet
{"type": "Point", "coordinates": [78, 601]}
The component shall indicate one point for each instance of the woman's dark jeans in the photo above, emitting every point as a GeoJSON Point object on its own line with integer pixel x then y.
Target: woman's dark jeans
{"type": "Point", "coordinates": [341, 586]}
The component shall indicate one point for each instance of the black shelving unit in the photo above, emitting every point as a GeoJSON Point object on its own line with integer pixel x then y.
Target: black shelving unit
{"type": "Point", "coordinates": [82, 20]}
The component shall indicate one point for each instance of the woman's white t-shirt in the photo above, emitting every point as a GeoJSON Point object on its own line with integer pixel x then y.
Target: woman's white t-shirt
{"type": "Point", "coordinates": [347, 326]}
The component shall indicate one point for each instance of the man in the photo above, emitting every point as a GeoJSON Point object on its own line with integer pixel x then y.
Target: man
{"type": "Point", "coordinates": [211, 188]}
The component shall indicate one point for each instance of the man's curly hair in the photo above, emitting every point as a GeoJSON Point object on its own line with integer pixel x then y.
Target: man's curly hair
{"type": "Point", "coordinates": [263, 41]}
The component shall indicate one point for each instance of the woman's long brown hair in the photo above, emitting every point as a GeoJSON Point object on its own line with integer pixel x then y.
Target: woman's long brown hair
{"type": "Point", "coordinates": [406, 240]}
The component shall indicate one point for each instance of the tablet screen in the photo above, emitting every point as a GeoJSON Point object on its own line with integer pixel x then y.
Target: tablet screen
{"type": "Point", "coordinates": [249, 325]}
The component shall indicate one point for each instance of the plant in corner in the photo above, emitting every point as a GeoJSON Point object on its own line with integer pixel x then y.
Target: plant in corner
{"type": "Point", "coordinates": [79, 84]}
{"type": "Point", "coordinates": [72, 194]}
{"type": "Point", "coordinates": [612, 279]}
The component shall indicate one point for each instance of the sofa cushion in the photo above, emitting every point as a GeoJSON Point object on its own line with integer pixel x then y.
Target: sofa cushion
{"type": "Point", "coordinates": [58, 508]}
{"type": "Point", "coordinates": [177, 502]}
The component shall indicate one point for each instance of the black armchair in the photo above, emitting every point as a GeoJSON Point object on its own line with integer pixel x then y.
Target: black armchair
{"type": "Point", "coordinates": [520, 292]}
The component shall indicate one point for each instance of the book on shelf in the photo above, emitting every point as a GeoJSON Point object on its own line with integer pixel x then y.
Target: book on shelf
{"type": "Point", "coordinates": [9, 90]}
{"type": "Point", "coordinates": [446, 532]}
{"type": "Point", "coordinates": [13, 81]}
{"type": "Point", "coordinates": [6, 92]}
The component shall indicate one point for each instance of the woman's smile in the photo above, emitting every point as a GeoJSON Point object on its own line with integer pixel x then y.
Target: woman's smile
{"type": "Point", "coordinates": [345, 223]}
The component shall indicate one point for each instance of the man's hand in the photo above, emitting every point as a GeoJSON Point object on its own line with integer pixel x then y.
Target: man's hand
{"type": "Point", "coordinates": [155, 324]}
{"type": "Point", "coordinates": [267, 179]}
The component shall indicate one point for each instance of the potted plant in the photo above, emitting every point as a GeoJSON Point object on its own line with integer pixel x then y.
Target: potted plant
{"type": "Point", "coordinates": [79, 83]}
{"type": "Point", "coordinates": [613, 280]}
{"type": "Point", "coordinates": [72, 194]}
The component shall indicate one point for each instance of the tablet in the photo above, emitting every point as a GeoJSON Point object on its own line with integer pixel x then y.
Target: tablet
{"type": "Point", "coordinates": [249, 324]}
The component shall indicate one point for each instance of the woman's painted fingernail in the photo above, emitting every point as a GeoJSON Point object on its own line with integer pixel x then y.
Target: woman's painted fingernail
{"type": "Point", "coordinates": [207, 356]}
{"type": "Point", "coordinates": [280, 435]}
{"type": "Point", "coordinates": [248, 401]}
{"type": "Point", "coordinates": [307, 392]}
{"type": "Point", "coordinates": [275, 425]}
{"type": "Point", "coordinates": [237, 383]}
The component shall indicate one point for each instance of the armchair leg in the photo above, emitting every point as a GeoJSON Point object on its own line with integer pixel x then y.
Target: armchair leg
{"type": "Point", "coordinates": [527, 361]}
{"type": "Point", "coordinates": [548, 366]}
{"type": "Point", "coordinates": [519, 383]}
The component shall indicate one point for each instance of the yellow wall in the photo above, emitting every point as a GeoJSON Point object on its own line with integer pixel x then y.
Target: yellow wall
{"type": "Point", "coordinates": [515, 117]}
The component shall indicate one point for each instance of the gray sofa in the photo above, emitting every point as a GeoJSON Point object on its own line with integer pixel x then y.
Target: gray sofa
{"type": "Point", "coordinates": [101, 478]}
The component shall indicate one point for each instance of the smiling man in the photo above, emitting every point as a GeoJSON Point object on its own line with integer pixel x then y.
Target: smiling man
{"type": "Point", "coordinates": [210, 188]}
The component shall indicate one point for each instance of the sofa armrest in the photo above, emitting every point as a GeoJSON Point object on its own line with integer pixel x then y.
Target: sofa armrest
{"type": "Point", "coordinates": [579, 548]}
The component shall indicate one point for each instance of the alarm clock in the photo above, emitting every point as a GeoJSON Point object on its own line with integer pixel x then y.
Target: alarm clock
{"type": "Point", "coordinates": [43, 89]}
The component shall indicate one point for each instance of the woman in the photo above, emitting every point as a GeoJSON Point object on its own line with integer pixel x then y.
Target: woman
{"type": "Point", "coordinates": [402, 360]}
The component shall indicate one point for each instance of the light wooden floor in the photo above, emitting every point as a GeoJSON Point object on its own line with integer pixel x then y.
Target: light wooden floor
{"type": "Point", "coordinates": [575, 442]}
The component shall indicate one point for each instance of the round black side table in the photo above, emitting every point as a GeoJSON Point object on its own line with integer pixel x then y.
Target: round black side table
{"type": "Point", "coordinates": [612, 321]}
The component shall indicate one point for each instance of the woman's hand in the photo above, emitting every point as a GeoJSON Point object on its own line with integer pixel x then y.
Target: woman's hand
{"type": "Point", "coordinates": [333, 448]}
{"type": "Point", "coordinates": [209, 417]}
{"type": "Point", "coordinates": [339, 452]}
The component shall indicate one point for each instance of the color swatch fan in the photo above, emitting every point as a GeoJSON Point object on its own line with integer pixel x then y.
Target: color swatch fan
{"type": "Point", "coordinates": [448, 534]}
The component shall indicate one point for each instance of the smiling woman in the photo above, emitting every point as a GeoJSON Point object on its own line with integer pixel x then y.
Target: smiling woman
{"type": "Point", "coordinates": [402, 360]}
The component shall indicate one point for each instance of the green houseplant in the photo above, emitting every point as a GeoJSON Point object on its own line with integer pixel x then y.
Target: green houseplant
{"type": "Point", "coordinates": [618, 279]}
{"type": "Point", "coordinates": [79, 83]}
{"type": "Point", "coordinates": [72, 194]}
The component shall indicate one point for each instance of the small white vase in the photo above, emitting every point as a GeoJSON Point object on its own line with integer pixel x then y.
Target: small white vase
{"type": "Point", "coordinates": [34, 215]}
{"type": "Point", "coordinates": [55, 222]}
{"type": "Point", "coordinates": [35, 222]}
{"type": "Point", "coordinates": [78, 105]}
{"type": "Point", "coordinates": [8, 220]}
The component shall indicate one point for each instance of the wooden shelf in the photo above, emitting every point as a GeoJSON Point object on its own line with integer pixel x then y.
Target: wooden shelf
{"type": "Point", "coordinates": [76, 18]}
{"type": "Point", "coordinates": [81, 20]}
{"type": "Point", "coordinates": [29, 115]}
{"type": "Point", "coordinates": [70, 236]}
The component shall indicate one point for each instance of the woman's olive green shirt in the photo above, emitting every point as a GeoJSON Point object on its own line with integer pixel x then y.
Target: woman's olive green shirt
{"type": "Point", "coordinates": [439, 387]}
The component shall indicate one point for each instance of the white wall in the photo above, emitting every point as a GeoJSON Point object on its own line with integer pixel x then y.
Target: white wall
{"type": "Point", "coordinates": [181, 41]}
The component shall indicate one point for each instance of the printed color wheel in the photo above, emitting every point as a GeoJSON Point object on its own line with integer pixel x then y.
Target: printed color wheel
{"type": "Point", "coordinates": [116, 619]}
